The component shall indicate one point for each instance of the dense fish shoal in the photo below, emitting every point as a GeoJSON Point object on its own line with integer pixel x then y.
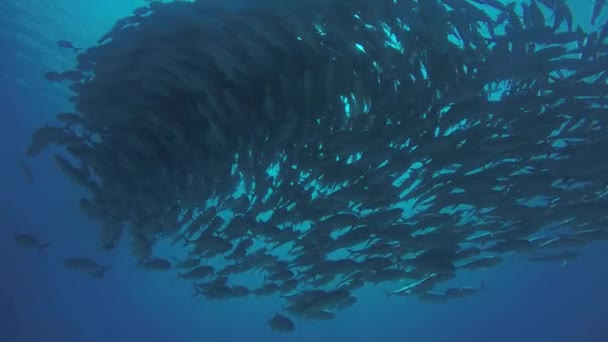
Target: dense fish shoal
{"type": "Point", "coordinates": [333, 144]}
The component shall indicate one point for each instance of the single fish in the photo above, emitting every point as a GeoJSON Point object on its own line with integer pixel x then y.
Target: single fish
{"type": "Point", "coordinates": [30, 241]}
{"type": "Point", "coordinates": [67, 45]}
{"type": "Point", "coordinates": [281, 323]}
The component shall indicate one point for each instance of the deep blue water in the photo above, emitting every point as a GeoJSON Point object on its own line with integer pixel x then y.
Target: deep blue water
{"type": "Point", "coordinates": [524, 302]}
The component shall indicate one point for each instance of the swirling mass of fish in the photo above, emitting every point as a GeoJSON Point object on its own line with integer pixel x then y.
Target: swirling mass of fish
{"type": "Point", "coordinates": [327, 145]}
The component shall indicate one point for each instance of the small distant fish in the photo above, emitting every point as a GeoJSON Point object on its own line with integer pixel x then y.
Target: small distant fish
{"type": "Point", "coordinates": [86, 265]}
{"type": "Point", "coordinates": [26, 171]}
{"type": "Point", "coordinates": [30, 241]}
{"type": "Point", "coordinates": [154, 264]}
{"type": "Point", "coordinates": [281, 323]}
{"type": "Point", "coordinates": [67, 45]}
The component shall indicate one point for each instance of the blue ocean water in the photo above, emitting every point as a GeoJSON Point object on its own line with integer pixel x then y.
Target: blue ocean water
{"type": "Point", "coordinates": [43, 301]}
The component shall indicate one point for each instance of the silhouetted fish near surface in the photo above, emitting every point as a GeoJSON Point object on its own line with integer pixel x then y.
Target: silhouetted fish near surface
{"type": "Point", "coordinates": [281, 323]}
{"type": "Point", "coordinates": [30, 241]}
{"type": "Point", "coordinates": [67, 45]}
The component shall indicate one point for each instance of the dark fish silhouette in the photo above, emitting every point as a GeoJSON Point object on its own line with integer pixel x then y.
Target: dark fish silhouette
{"type": "Point", "coordinates": [67, 45]}
{"type": "Point", "coordinates": [281, 323]}
{"type": "Point", "coordinates": [30, 241]}
{"type": "Point", "coordinates": [289, 143]}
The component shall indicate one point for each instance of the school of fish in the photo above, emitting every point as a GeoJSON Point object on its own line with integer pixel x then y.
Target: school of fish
{"type": "Point", "coordinates": [331, 144]}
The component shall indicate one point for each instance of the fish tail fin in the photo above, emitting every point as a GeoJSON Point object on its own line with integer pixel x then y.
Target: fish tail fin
{"type": "Point", "coordinates": [102, 271]}
{"type": "Point", "coordinates": [197, 291]}
{"type": "Point", "coordinates": [42, 247]}
{"type": "Point", "coordinates": [388, 294]}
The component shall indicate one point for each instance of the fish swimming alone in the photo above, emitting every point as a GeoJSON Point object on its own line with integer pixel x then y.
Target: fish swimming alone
{"type": "Point", "coordinates": [281, 323]}
{"type": "Point", "coordinates": [30, 241]}
{"type": "Point", "coordinates": [67, 45]}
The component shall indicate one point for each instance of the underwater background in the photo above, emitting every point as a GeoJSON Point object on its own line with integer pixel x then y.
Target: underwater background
{"type": "Point", "coordinates": [43, 301]}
